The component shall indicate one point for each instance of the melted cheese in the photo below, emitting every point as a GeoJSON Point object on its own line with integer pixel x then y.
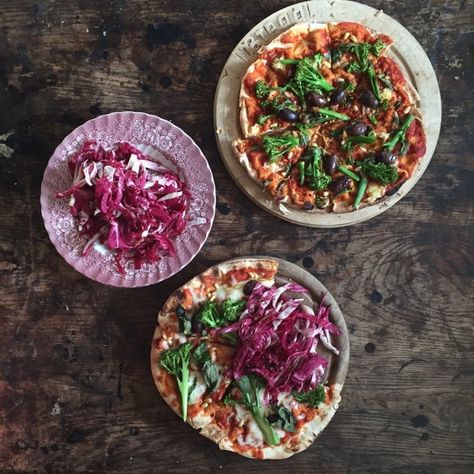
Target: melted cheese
{"type": "Point", "coordinates": [244, 161]}
{"type": "Point", "coordinates": [254, 436]}
{"type": "Point", "coordinates": [374, 191]}
{"type": "Point", "coordinates": [273, 167]}
{"type": "Point", "coordinates": [386, 94]}
{"type": "Point", "coordinates": [224, 292]}
{"type": "Point", "coordinates": [199, 389]}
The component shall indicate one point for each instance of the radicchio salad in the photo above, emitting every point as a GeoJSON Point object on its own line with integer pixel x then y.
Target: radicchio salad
{"type": "Point", "coordinates": [122, 199]}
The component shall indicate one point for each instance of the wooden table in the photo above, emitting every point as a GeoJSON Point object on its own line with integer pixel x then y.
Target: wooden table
{"type": "Point", "coordinates": [76, 391]}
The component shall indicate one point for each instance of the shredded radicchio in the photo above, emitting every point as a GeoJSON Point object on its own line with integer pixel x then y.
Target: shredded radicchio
{"type": "Point", "coordinates": [278, 337]}
{"type": "Point", "coordinates": [122, 199]}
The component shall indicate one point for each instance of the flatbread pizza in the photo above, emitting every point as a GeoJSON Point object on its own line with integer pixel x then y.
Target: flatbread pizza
{"type": "Point", "coordinates": [329, 121]}
{"type": "Point", "coordinates": [243, 356]}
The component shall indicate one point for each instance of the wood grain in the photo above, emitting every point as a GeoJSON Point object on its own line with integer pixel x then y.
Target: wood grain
{"type": "Point", "coordinates": [76, 393]}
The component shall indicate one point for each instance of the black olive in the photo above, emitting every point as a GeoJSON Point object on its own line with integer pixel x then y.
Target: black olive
{"type": "Point", "coordinates": [316, 99]}
{"type": "Point", "coordinates": [337, 96]}
{"type": "Point", "coordinates": [340, 184]}
{"type": "Point", "coordinates": [288, 115]}
{"type": "Point", "coordinates": [384, 156]}
{"type": "Point", "coordinates": [196, 324]}
{"type": "Point", "coordinates": [307, 206]}
{"type": "Point", "coordinates": [357, 129]}
{"type": "Point", "coordinates": [273, 418]}
{"type": "Point", "coordinates": [249, 286]}
{"type": "Point", "coordinates": [330, 164]}
{"type": "Point", "coordinates": [180, 311]}
{"type": "Point", "coordinates": [368, 98]}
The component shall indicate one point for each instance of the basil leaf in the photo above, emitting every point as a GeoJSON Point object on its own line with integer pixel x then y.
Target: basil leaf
{"type": "Point", "coordinates": [285, 420]}
{"type": "Point", "coordinates": [200, 354]}
{"type": "Point", "coordinates": [210, 374]}
{"type": "Point", "coordinates": [192, 387]}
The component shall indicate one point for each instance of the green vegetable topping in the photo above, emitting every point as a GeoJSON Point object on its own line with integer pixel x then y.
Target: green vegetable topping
{"type": "Point", "coordinates": [176, 362]}
{"type": "Point", "coordinates": [304, 135]}
{"type": "Point", "coordinates": [251, 387]}
{"type": "Point", "coordinates": [213, 317]}
{"type": "Point", "coordinates": [362, 52]}
{"type": "Point", "coordinates": [332, 114]}
{"type": "Point", "coordinates": [285, 420]}
{"type": "Point", "coordinates": [185, 325]}
{"type": "Point", "coordinates": [209, 315]}
{"type": "Point", "coordinates": [262, 89]}
{"type": "Point", "coordinates": [373, 81]}
{"type": "Point", "coordinates": [313, 398]}
{"type": "Point", "coordinates": [348, 86]}
{"type": "Point", "coordinates": [276, 146]}
{"type": "Point", "coordinates": [263, 118]}
{"type": "Point", "coordinates": [231, 338]}
{"type": "Point", "coordinates": [232, 309]}
{"type": "Point", "coordinates": [373, 119]}
{"type": "Point", "coordinates": [380, 172]}
{"type": "Point", "coordinates": [191, 389]}
{"type": "Point", "coordinates": [363, 64]}
{"type": "Point", "coordinates": [307, 77]}
{"type": "Point", "coordinates": [228, 400]}
{"type": "Point", "coordinates": [370, 138]}
{"type": "Point", "coordinates": [200, 354]}
{"type": "Point", "coordinates": [301, 167]}
{"type": "Point", "coordinates": [399, 134]}
{"type": "Point", "coordinates": [315, 178]}
{"type": "Point", "coordinates": [385, 81]}
{"type": "Point", "coordinates": [210, 374]}
{"type": "Point", "coordinates": [377, 47]}
{"type": "Point", "coordinates": [349, 173]}
{"type": "Point", "coordinates": [360, 191]}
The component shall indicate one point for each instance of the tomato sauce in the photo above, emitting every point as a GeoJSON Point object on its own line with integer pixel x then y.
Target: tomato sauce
{"type": "Point", "coordinates": [187, 299]}
{"type": "Point", "coordinates": [388, 67]}
{"type": "Point", "coordinates": [319, 40]}
{"type": "Point", "coordinates": [338, 31]}
{"type": "Point", "coordinates": [416, 136]}
{"type": "Point", "coordinates": [209, 283]}
{"type": "Point", "coordinates": [168, 383]}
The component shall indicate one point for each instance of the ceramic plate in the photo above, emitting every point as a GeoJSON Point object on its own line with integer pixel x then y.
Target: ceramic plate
{"type": "Point", "coordinates": [406, 51]}
{"type": "Point", "coordinates": [163, 142]}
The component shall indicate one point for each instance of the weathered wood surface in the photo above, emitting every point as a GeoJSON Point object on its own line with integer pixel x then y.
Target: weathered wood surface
{"type": "Point", "coordinates": [76, 392]}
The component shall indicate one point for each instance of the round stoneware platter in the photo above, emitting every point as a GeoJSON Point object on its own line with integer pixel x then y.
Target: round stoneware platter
{"type": "Point", "coordinates": [162, 142]}
{"type": "Point", "coordinates": [337, 365]}
{"type": "Point", "coordinates": [406, 51]}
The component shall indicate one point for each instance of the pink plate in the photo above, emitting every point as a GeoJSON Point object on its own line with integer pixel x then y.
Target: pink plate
{"type": "Point", "coordinates": [162, 141]}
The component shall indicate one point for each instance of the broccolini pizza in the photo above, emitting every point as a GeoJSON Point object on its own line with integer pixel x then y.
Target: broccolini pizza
{"type": "Point", "coordinates": [243, 358]}
{"type": "Point", "coordinates": [329, 120]}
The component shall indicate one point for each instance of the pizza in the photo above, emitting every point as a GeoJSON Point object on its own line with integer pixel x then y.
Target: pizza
{"type": "Point", "coordinates": [329, 121]}
{"type": "Point", "coordinates": [243, 356]}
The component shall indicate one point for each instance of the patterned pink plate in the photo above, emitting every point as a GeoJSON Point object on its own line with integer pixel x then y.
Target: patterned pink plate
{"type": "Point", "coordinates": [163, 142]}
